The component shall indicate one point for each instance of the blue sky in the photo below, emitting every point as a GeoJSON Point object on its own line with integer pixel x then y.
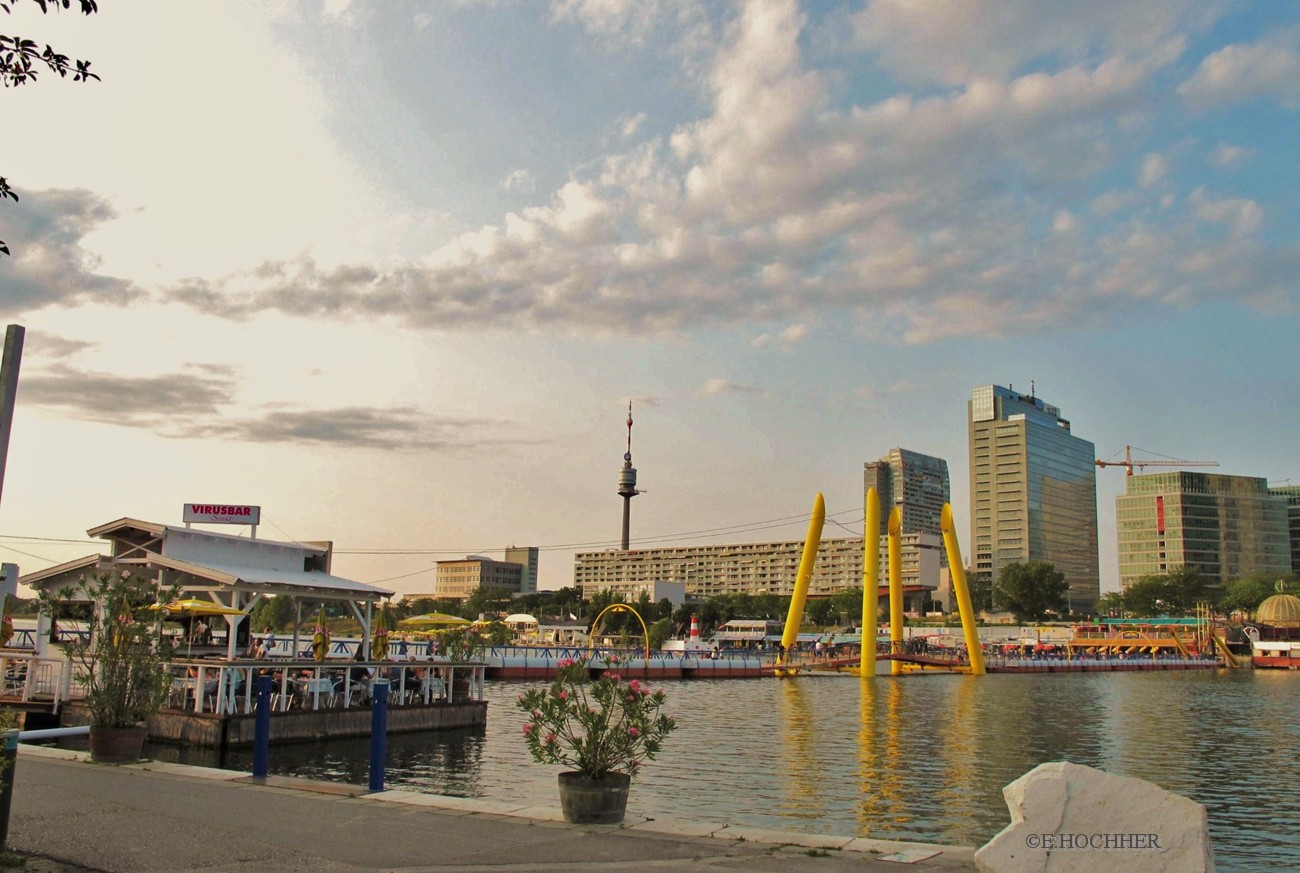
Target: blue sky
{"type": "Point", "coordinates": [393, 270]}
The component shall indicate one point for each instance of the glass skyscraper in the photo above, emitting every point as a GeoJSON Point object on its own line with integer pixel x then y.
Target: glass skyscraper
{"type": "Point", "coordinates": [1292, 495]}
{"type": "Point", "coordinates": [1033, 491]}
{"type": "Point", "coordinates": [1228, 527]}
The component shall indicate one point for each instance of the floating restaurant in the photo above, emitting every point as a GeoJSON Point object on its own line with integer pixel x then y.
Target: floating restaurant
{"type": "Point", "coordinates": [213, 689]}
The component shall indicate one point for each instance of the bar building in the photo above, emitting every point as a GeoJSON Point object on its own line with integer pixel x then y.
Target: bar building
{"type": "Point", "coordinates": [1033, 491]}
{"type": "Point", "coordinates": [1227, 527]}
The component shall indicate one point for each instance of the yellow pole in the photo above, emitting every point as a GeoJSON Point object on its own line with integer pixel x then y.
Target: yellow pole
{"type": "Point", "coordinates": [795, 616]}
{"type": "Point", "coordinates": [870, 583]}
{"type": "Point", "coordinates": [895, 587]}
{"type": "Point", "coordinates": [959, 587]}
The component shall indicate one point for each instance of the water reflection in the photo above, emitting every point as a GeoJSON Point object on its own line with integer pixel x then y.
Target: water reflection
{"type": "Point", "coordinates": [918, 758]}
{"type": "Point", "coordinates": [802, 781]}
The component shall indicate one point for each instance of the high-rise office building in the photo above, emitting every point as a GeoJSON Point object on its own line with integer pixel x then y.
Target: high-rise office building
{"type": "Point", "coordinates": [527, 556]}
{"type": "Point", "coordinates": [1227, 527]}
{"type": "Point", "coordinates": [1292, 495]}
{"type": "Point", "coordinates": [1033, 491]}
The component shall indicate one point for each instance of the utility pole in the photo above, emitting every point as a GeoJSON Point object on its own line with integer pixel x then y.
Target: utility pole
{"type": "Point", "coordinates": [9, 364]}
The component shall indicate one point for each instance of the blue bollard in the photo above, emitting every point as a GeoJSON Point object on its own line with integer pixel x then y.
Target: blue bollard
{"type": "Point", "coordinates": [378, 732]}
{"type": "Point", "coordinates": [262, 727]}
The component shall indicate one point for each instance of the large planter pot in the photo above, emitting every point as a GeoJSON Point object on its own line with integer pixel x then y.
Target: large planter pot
{"type": "Point", "coordinates": [584, 800]}
{"type": "Point", "coordinates": [117, 745]}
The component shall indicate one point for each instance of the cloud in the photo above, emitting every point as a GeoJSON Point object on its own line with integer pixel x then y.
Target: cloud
{"type": "Point", "coordinates": [40, 344]}
{"type": "Point", "coordinates": [519, 180]}
{"type": "Point", "coordinates": [190, 405]}
{"type": "Point", "coordinates": [50, 265]}
{"type": "Point", "coordinates": [1242, 217]}
{"type": "Point", "coordinates": [129, 401]}
{"type": "Point", "coordinates": [717, 386]}
{"type": "Point", "coordinates": [1269, 68]}
{"type": "Point", "coordinates": [970, 208]}
{"type": "Point", "coordinates": [951, 44]}
{"type": "Point", "coordinates": [397, 428]}
{"type": "Point", "coordinates": [791, 336]}
{"type": "Point", "coordinates": [1153, 170]}
{"type": "Point", "coordinates": [1225, 155]}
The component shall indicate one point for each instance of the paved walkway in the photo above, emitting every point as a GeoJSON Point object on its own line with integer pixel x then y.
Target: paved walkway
{"type": "Point", "coordinates": [165, 817]}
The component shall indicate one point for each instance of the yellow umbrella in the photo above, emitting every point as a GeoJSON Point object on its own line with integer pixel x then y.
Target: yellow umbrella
{"type": "Point", "coordinates": [320, 639]}
{"type": "Point", "coordinates": [379, 642]}
{"type": "Point", "coordinates": [432, 619]}
{"type": "Point", "coordinates": [195, 606]}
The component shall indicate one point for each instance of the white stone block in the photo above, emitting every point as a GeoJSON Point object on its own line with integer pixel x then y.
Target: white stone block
{"type": "Point", "coordinates": [1067, 817]}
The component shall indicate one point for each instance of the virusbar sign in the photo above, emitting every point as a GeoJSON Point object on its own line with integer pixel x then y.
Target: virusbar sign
{"type": "Point", "coordinates": [221, 513]}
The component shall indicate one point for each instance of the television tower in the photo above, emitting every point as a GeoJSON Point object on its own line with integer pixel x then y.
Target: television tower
{"type": "Point", "coordinates": [627, 481]}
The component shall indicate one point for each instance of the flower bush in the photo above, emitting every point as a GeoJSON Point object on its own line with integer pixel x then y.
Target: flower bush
{"type": "Point", "coordinates": [124, 659]}
{"type": "Point", "coordinates": [594, 727]}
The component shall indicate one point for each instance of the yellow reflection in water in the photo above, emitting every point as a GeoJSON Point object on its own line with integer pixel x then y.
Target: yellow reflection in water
{"type": "Point", "coordinates": [880, 758]}
{"type": "Point", "coordinates": [960, 750]}
{"type": "Point", "coordinates": [799, 765]}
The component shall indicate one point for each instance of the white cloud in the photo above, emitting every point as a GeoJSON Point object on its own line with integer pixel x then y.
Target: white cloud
{"type": "Point", "coordinates": [520, 180]}
{"type": "Point", "coordinates": [1241, 216]}
{"type": "Point", "coordinates": [717, 386]}
{"type": "Point", "coordinates": [1225, 155]}
{"type": "Point", "coordinates": [1269, 68]}
{"type": "Point", "coordinates": [788, 338]}
{"type": "Point", "coordinates": [954, 44]}
{"type": "Point", "coordinates": [1154, 167]}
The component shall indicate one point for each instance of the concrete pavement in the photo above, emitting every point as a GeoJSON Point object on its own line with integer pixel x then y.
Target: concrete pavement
{"type": "Point", "coordinates": [165, 817]}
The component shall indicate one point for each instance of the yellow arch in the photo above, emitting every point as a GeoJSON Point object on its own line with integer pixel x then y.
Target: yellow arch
{"type": "Point", "coordinates": [620, 607]}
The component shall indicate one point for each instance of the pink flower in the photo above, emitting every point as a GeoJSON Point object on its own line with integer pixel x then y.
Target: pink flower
{"type": "Point", "coordinates": [550, 738]}
{"type": "Point", "coordinates": [613, 677]}
{"type": "Point", "coordinates": [633, 732]}
{"type": "Point", "coordinates": [564, 695]}
{"type": "Point", "coordinates": [529, 728]}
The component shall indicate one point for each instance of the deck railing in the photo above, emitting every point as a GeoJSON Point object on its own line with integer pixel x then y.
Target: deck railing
{"type": "Point", "coordinates": [230, 687]}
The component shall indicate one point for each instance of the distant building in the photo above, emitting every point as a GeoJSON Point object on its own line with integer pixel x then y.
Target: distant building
{"type": "Point", "coordinates": [753, 568]}
{"type": "Point", "coordinates": [458, 579]}
{"type": "Point", "coordinates": [1226, 527]}
{"type": "Point", "coordinates": [1292, 495]}
{"type": "Point", "coordinates": [917, 484]}
{"type": "Point", "coordinates": [526, 556]}
{"type": "Point", "coordinates": [1033, 491]}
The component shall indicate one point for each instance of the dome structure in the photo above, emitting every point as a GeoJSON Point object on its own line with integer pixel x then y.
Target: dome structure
{"type": "Point", "coordinates": [1280, 610]}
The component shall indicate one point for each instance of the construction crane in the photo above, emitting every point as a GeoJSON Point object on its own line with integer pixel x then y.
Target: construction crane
{"type": "Point", "coordinates": [1129, 463]}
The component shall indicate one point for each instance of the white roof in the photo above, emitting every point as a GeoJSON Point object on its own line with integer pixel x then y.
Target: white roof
{"type": "Point", "coordinates": [520, 618]}
{"type": "Point", "coordinates": [306, 581]}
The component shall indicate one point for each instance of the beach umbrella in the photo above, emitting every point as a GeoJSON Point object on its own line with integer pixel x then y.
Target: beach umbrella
{"type": "Point", "coordinates": [379, 639]}
{"type": "Point", "coordinates": [195, 606]}
{"type": "Point", "coordinates": [320, 638]}
{"type": "Point", "coordinates": [432, 620]}
{"type": "Point", "coordinates": [192, 607]}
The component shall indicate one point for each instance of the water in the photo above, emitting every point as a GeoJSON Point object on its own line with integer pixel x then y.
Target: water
{"type": "Point", "coordinates": [921, 758]}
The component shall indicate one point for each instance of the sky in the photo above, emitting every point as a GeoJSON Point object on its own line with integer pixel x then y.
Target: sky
{"type": "Point", "coordinates": [393, 270]}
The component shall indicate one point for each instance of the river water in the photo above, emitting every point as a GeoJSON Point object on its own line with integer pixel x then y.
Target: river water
{"type": "Point", "coordinates": [916, 758]}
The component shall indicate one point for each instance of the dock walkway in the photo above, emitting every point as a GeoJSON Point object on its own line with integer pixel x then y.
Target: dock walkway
{"type": "Point", "coordinates": [155, 817]}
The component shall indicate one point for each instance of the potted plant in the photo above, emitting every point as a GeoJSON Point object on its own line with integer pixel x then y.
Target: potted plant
{"type": "Point", "coordinates": [122, 661]}
{"type": "Point", "coordinates": [602, 729]}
